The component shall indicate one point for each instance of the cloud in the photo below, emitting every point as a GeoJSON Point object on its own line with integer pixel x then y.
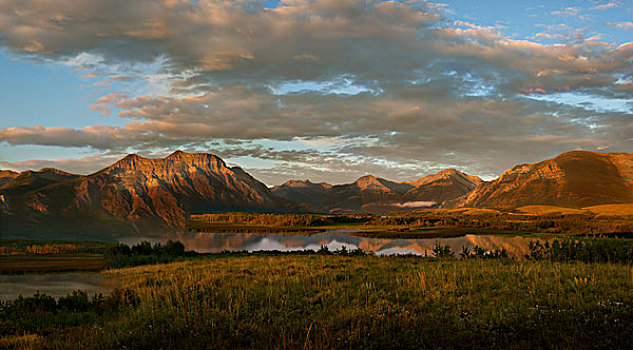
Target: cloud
{"type": "Point", "coordinates": [229, 77]}
{"type": "Point", "coordinates": [607, 5]}
{"type": "Point", "coordinates": [98, 137]}
{"type": "Point", "coordinates": [622, 25]}
{"type": "Point", "coordinates": [82, 166]}
{"type": "Point", "coordinates": [567, 12]}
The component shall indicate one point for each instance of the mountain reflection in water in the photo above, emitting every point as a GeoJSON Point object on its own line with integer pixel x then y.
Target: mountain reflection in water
{"type": "Point", "coordinates": [516, 246]}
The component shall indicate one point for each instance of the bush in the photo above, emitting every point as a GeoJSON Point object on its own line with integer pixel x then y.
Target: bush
{"type": "Point", "coordinates": [144, 253]}
{"type": "Point", "coordinates": [595, 250]}
{"type": "Point", "coordinates": [442, 251]}
{"type": "Point", "coordinates": [42, 313]}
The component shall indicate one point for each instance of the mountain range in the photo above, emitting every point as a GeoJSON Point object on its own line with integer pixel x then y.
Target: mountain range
{"type": "Point", "coordinates": [374, 195]}
{"type": "Point", "coordinates": [142, 196]}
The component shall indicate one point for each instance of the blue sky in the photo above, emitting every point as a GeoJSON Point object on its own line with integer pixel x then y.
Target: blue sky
{"type": "Point", "coordinates": [326, 90]}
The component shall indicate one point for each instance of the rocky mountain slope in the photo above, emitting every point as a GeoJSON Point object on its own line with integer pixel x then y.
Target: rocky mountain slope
{"type": "Point", "coordinates": [374, 194]}
{"type": "Point", "coordinates": [573, 179]}
{"type": "Point", "coordinates": [136, 195]}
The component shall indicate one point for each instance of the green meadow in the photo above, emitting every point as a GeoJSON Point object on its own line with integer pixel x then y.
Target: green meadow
{"type": "Point", "coordinates": [299, 301]}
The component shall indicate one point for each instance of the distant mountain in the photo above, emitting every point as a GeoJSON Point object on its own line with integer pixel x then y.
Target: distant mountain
{"type": "Point", "coordinates": [6, 176]}
{"type": "Point", "coordinates": [30, 180]}
{"type": "Point", "coordinates": [136, 195]}
{"type": "Point", "coordinates": [374, 194]}
{"type": "Point", "coordinates": [368, 194]}
{"type": "Point", "coordinates": [302, 191]}
{"type": "Point", "coordinates": [443, 186]}
{"type": "Point", "coordinates": [573, 179]}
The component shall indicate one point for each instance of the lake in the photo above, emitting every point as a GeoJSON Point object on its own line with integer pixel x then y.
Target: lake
{"type": "Point", "coordinates": [55, 284]}
{"type": "Point", "coordinates": [203, 242]}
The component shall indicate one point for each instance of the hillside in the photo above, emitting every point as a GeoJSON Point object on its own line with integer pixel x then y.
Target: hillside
{"type": "Point", "coordinates": [573, 179]}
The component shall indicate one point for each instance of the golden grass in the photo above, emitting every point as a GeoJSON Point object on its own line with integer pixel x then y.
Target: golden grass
{"type": "Point", "coordinates": [612, 209]}
{"type": "Point", "coordinates": [369, 302]}
{"type": "Point", "coordinates": [19, 342]}
{"type": "Point", "coordinates": [549, 209]}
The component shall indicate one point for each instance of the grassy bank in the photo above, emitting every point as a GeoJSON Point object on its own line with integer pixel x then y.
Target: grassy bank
{"type": "Point", "coordinates": [332, 301]}
{"type": "Point", "coordinates": [16, 264]}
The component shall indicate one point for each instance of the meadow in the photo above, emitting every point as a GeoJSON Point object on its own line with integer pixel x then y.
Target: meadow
{"type": "Point", "coordinates": [342, 301]}
{"type": "Point", "coordinates": [572, 292]}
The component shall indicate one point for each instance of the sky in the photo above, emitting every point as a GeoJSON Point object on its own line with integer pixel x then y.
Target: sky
{"type": "Point", "coordinates": [326, 90]}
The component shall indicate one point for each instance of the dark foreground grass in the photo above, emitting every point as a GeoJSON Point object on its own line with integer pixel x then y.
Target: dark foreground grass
{"type": "Point", "coordinates": [331, 301]}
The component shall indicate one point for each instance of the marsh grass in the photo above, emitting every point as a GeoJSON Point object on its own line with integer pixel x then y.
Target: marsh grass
{"type": "Point", "coordinates": [334, 301]}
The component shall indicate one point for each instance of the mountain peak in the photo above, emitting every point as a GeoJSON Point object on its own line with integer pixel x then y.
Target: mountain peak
{"type": "Point", "coordinates": [450, 171]}
{"type": "Point", "coordinates": [54, 171]}
{"type": "Point", "coordinates": [6, 176]}
{"type": "Point", "coordinates": [367, 179]}
{"type": "Point", "coordinates": [177, 154]}
{"type": "Point", "coordinates": [178, 159]}
{"type": "Point", "coordinates": [446, 174]}
{"type": "Point", "coordinates": [132, 157]}
{"type": "Point", "coordinates": [303, 184]}
{"type": "Point", "coordinates": [297, 183]}
{"type": "Point", "coordinates": [5, 173]}
{"type": "Point", "coordinates": [579, 154]}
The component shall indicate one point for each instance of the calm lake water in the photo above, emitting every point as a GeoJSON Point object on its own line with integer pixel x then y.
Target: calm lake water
{"type": "Point", "coordinates": [60, 284]}
{"type": "Point", "coordinates": [55, 284]}
{"type": "Point", "coordinates": [203, 242]}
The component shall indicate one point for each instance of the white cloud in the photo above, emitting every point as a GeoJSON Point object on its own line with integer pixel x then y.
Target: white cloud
{"type": "Point", "coordinates": [607, 5]}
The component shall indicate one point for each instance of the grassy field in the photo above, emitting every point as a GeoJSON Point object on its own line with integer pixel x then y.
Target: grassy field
{"type": "Point", "coordinates": [332, 301]}
{"type": "Point", "coordinates": [50, 263]}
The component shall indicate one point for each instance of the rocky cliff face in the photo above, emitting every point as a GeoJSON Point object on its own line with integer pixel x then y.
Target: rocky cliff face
{"type": "Point", "coordinates": [138, 195]}
{"type": "Point", "coordinates": [374, 194]}
{"type": "Point", "coordinates": [573, 179]}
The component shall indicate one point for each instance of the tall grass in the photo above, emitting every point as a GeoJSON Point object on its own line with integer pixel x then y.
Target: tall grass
{"type": "Point", "coordinates": [333, 301]}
